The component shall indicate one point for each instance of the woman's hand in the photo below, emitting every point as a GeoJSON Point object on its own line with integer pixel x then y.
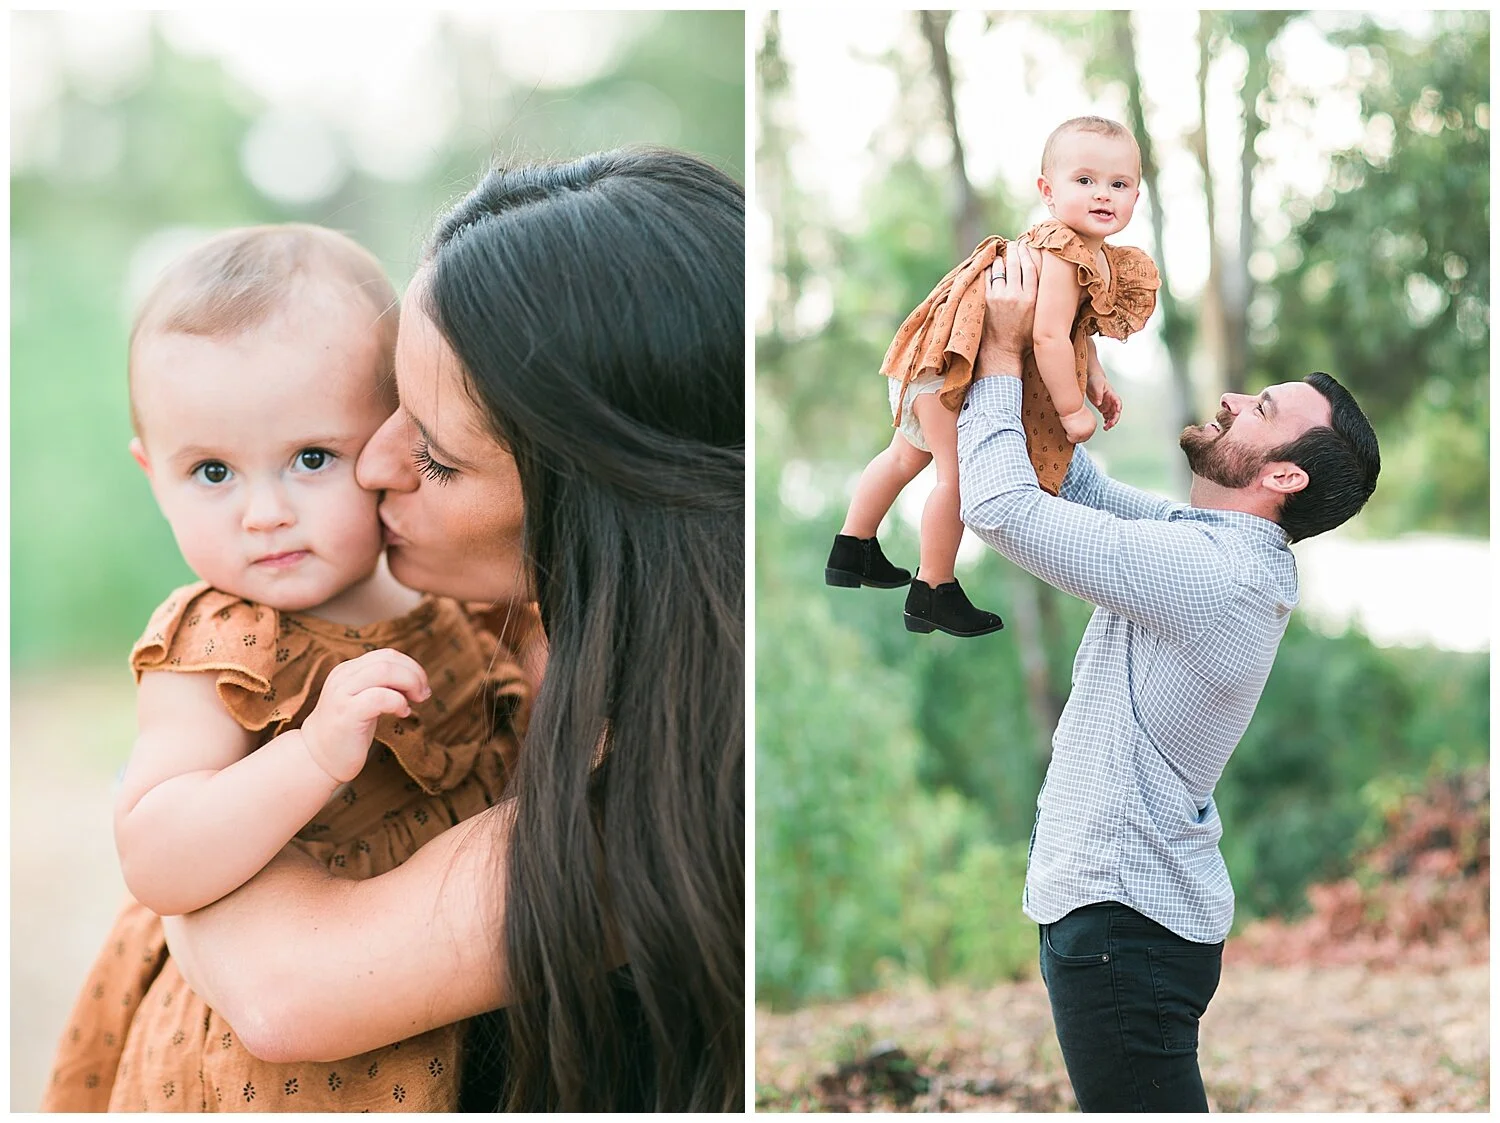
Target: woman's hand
{"type": "Point", "coordinates": [339, 730]}
{"type": "Point", "coordinates": [1009, 305]}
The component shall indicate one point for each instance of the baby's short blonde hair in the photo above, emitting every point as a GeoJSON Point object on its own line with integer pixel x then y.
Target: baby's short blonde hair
{"type": "Point", "coordinates": [1101, 126]}
{"type": "Point", "coordinates": [236, 280]}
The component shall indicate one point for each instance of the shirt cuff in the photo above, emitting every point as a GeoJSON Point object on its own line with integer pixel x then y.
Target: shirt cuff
{"type": "Point", "coordinates": [995, 394]}
{"type": "Point", "coordinates": [1080, 474]}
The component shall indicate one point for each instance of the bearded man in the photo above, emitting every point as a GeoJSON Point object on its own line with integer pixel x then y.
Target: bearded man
{"type": "Point", "coordinates": [1124, 877]}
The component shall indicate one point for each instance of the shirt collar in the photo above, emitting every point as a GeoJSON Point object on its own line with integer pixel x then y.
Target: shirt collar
{"type": "Point", "coordinates": [1271, 532]}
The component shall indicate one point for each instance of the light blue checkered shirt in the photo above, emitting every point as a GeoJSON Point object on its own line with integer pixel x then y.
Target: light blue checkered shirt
{"type": "Point", "coordinates": [1192, 604]}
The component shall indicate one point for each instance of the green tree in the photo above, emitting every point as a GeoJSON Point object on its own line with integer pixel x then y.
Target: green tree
{"type": "Point", "coordinates": [1384, 281]}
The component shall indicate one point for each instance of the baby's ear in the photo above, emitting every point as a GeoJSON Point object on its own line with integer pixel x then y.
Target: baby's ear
{"type": "Point", "coordinates": [138, 454]}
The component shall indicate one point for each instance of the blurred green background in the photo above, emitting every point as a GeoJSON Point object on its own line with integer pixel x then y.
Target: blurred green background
{"type": "Point", "coordinates": [1316, 196]}
{"type": "Point", "coordinates": [134, 134]}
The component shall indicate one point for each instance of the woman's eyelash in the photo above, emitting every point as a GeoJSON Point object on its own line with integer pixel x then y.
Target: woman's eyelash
{"type": "Point", "coordinates": [437, 473]}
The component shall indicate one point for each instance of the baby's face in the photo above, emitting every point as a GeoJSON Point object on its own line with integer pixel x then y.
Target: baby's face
{"type": "Point", "coordinates": [250, 443]}
{"type": "Point", "coordinates": [1093, 183]}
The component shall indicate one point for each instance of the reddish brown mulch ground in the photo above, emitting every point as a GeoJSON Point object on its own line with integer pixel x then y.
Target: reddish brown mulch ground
{"type": "Point", "coordinates": [1275, 1039]}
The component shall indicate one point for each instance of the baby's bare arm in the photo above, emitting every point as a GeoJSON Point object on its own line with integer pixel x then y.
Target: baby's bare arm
{"type": "Point", "coordinates": [1052, 332]}
{"type": "Point", "coordinates": [198, 812]}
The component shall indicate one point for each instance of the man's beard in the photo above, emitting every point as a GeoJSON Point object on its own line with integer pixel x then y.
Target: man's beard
{"type": "Point", "coordinates": [1227, 465]}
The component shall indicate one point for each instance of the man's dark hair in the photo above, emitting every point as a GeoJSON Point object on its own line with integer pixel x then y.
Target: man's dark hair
{"type": "Point", "coordinates": [1342, 462]}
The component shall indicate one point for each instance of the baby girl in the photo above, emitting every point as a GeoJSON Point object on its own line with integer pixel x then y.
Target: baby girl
{"type": "Point", "coordinates": [260, 364]}
{"type": "Point", "coordinates": [1090, 181]}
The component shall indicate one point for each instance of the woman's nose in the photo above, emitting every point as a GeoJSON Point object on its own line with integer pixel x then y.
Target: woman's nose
{"type": "Point", "coordinates": [385, 463]}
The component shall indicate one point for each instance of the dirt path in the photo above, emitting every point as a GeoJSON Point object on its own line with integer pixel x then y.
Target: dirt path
{"type": "Point", "coordinates": [1275, 1039]}
{"type": "Point", "coordinates": [68, 740]}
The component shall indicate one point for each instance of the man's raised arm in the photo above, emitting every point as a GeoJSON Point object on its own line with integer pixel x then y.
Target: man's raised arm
{"type": "Point", "coordinates": [1085, 484]}
{"type": "Point", "coordinates": [1167, 575]}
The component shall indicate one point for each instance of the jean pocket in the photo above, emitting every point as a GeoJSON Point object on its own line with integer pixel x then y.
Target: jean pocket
{"type": "Point", "coordinates": [1184, 979]}
{"type": "Point", "coordinates": [1079, 939]}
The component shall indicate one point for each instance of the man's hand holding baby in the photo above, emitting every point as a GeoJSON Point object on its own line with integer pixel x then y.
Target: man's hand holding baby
{"type": "Point", "coordinates": [1009, 305]}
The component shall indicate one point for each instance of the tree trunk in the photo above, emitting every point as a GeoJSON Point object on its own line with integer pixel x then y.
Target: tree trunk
{"type": "Point", "coordinates": [969, 212]}
{"type": "Point", "coordinates": [1034, 613]}
{"type": "Point", "coordinates": [1176, 328]}
{"type": "Point", "coordinates": [1214, 331]}
{"type": "Point", "coordinates": [1255, 32]}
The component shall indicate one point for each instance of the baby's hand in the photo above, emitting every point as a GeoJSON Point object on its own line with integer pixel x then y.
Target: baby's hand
{"type": "Point", "coordinates": [1103, 395]}
{"type": "Point", "coordinates": [1078, 425]}
{"type": "Point", "coordinates": [339, 730]}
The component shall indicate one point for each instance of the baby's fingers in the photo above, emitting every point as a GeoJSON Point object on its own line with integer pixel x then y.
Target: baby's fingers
{"type": "Point", "coordinates": [385, 667]}
{"type": "Point", "coordinates": [369, 704]}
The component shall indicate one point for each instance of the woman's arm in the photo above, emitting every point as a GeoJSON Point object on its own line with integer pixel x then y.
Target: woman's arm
{"type": "Point", "coordinates": [1052, 334]}
{"type": "Point", "coordinates": [309, 967]}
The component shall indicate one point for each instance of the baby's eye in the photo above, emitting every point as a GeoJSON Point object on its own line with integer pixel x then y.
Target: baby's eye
{"type": "Point", "coordinates": [1120, 184]}
{"type": "Point", "coordinates": [314, 459]}
{"type": "Point", "coordinates": [1085, 180]}
{"type": "Point", "coordinates": [211, 472]}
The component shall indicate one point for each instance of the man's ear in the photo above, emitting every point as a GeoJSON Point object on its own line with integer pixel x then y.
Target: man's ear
{"type": "Point", "coordinates": [1283, 477]}
{"type": "Point", "coordinates": [138, 454]}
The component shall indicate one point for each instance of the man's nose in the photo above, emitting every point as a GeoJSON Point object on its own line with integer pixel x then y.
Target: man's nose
{"type": "Point", "coordinates": [385, 462]}
{"type": "Point", "coordinates": [1234, 402]}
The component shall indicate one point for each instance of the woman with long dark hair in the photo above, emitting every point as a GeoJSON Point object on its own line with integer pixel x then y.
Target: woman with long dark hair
{"type": "Point", "coordinates": [571, 434]}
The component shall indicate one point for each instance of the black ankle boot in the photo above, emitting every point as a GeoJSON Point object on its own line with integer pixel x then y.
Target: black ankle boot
{"type": "Point", "coordinates": [858, 561]}
{"type": "Point", "coordinates": [947, 609]}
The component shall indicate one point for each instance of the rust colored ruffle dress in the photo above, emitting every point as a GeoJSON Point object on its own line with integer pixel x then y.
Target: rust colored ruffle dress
{"type": "Point", "coordinates": [138, 1038]}
{"type": "Point", "coordinates": [941, 336]}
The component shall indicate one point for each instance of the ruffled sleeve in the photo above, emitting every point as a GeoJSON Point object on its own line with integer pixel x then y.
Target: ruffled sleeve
{"type": "Point", "coordinates": [1058, 239]}
{"type": "Point", "coordinates": [269, 668]}
{"type": "Point", "coordinates": [1123, 308]}
{"type": "Point", "coordinates": [1118, 305]}
{"type": "Point", "coordinates": [265, 672]}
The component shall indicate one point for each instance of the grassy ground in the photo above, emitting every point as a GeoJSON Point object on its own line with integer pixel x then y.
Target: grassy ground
{"type": "Point", "coordinates": [1274, 1039]}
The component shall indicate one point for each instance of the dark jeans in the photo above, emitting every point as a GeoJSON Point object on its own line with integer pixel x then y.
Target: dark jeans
{"type": "Point", "coordinates": [1126, 998]}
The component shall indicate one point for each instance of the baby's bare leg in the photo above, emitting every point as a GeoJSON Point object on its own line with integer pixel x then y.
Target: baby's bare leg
{"type": "Point", "coordinates": [941, 527]}
{"type": "Point", "coordinates": [879, 484]}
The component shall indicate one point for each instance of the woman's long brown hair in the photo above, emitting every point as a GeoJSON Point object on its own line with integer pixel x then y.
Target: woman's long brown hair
{"type": "Point", "coordinates": [598, 309]}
